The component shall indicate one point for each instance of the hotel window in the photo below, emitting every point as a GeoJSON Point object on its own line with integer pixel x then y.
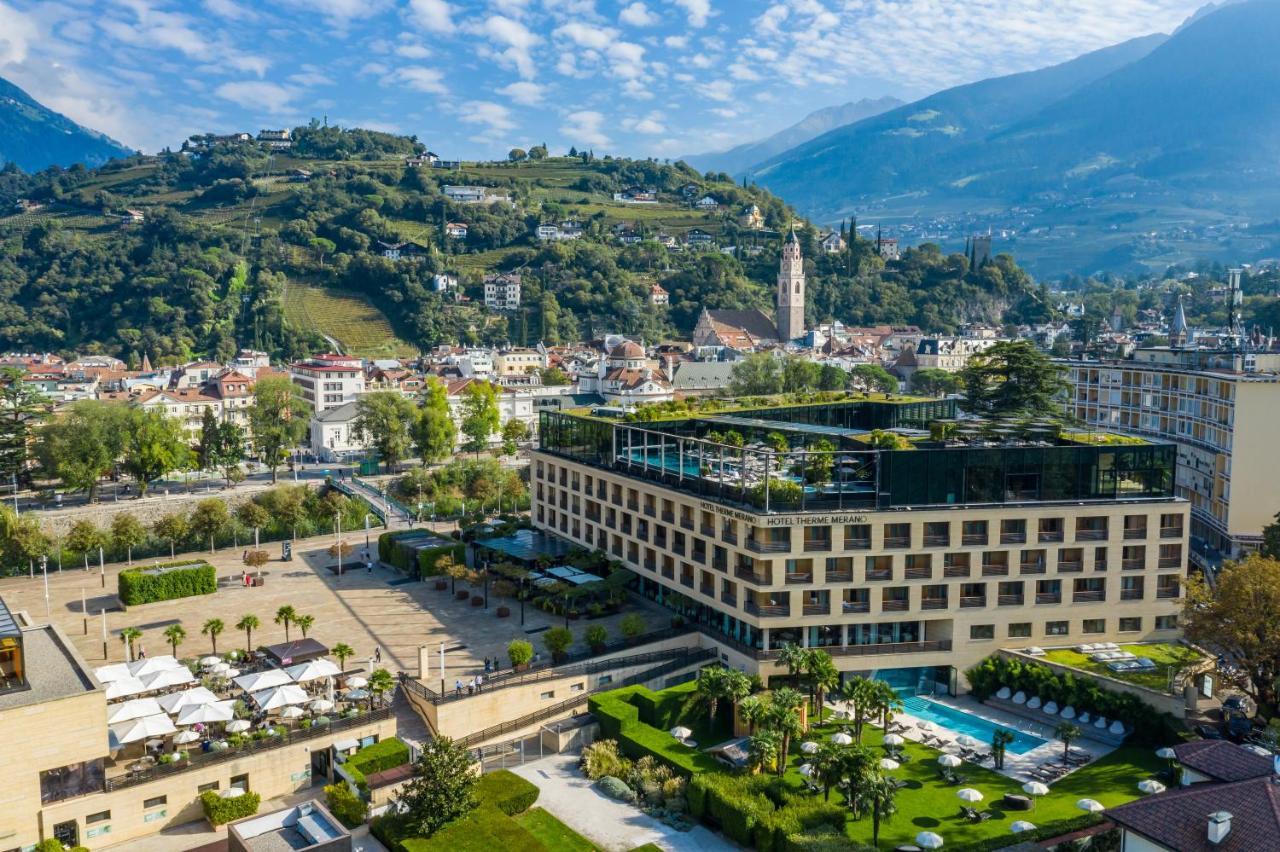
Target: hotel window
{"type": "Point", "coordinates": [1020, 630]}
{"type": "Point", "coordinates": [1013, 531]}
{"type": "Point", "coordinates": [857, 537]}
{"type": "Point", "coordinates": [1130, 625]}
{"type": "Point", "coordinates": [897, 535]}
{"type": "Point", "coordinates": [1057, 628]}
{"type": "Point", "coordinates": [1095, 625]}
{"type": "Point", "coordinates": [974, 532]}
{"type": "Point", "coordinates": [1166, 622]}
{"type": "Point", "coordinates": [937, 534]}
{"type": "Point", "coordinates": [155, 801]}
{"type": "Point", "coordinates": [982, 631]}
{"type": "Point", "coordinates": [76, 779]}
{"type": "Point", "coordinates": [100, 816]}
{"type": "Point", "coordinates": [204, 788]}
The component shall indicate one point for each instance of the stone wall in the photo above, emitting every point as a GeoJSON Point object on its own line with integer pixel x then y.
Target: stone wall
{"type": "Point", "coordinates": [57, 522]}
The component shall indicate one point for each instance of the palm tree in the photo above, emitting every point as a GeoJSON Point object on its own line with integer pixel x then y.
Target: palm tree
{"type": "Point", "coordinates": [286, 615]}
{"type": "Point", "coordinates": [248, 624]}
{"type": "Point", "coordinates": [857, 764]}
{"type": "Point", "coordinates": [878, 793]}
{"type": "Point", "coordinates": [753, 709]}
{"type": "Point", "coordinates": [828, 767]}
{"type": "Point", "coordinates": [304, 623]}
{"type": "Point", "coordinates": [796, 659]}
{"type": "Point", "coordinates": [1067, 731]}
{"type": "Point", "coordinates": [212, 628]}
{"type": "Point", "coordinates": [1000, 740]}
{"type": "Point", "coordinates": [175, 633]}
{"type": "Point", "coordinates": [762, 750]}
{"type": "Point", "coordinates": [858, 692]}
{"type": "Point", "coordinates": [711, 688]}
{"type": "Point", "coordinates": [786, 721]}
{"type": "Point", "coordinates": [342, 651]}
{"type": "Point", "coordinates": [128, 636]}
{"type": "Point", "coordinates": [825, 677]}
{"type": "Point", "coordinates": [885, 702]}
{"type": "Point", "coordinates": [380, 683]}
{"type": "Point", "coordinates": [737, 687]}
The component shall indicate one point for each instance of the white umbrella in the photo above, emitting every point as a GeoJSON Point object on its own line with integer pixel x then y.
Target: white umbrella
{"type": "Point", "coordinates": [142, 729]}
{"type": "Point", "coordinates": [263, 680]}
{"type": "Point", "coordinates": [680, 732]}
{"type": "Point", "coordinates": [203, 714]}
{"type": "Point", "coordinates": [125, 686]}
{"type": "Point", "coordinates": [1166, 752]}
{"type": "Point", "coordinates": [892, 740]}
{"type": "Point", "coordinates": [167, 678]}
{"type": "Point", "coordinates": [134, 709]}
{"type": "Point", "coordinates": [195, 696]}
{"type": "Point", "coordinates": [1020, 825]}
{"type": "Point", "coordinates": [231, 793]}
{"type": "Point", "coordinates": [184, 737]}
{"type": "Point", "coordinates": [358, 682]}
{"type": "Point", "coordinates": [313, 670]}
{"type": "Point", "coordinates": [231, 672]}
{"type": "Point", "coordinates": [220, 669]}
{"type": "Point", "coordinates": [966, 741]}
{"type": "Point", "coordinates": [841, 738]}
{"type": "Point", "coordinates": [210, 661]}
{"type": "Point", "coordinates": [153, 665]}
{"type": "Point", "coordinates": [112, 672]}
{"type": "Point", "coordinates": [281, 696]}
{"type": "Point", "coordinates": [1035, 788]}
{"type": "Point", "coordinates": [968, 794]}
{"type": "Point", "coordinates": [1093, 806]}
{"type": "Point", "coordinates": [928, 840]}
{"type": "Point", "coordinates": [806, 769]}
{"type": "Point", "coordinates": [321, 705]}
{"type": "Point", "coordinates": [949, 760]}
{"type": "Point", "coordinates": [239, 726]}
{"type": "Point", "coordinates": [291, 712]}
{"type": "Point", "coordinates": [1151, 785]}
{"type": "Point", "coordinates": [808, 748]}
{"type": "Point", "coordinates": [889, 764]}
{"type": "Point", "coordinates": [361, 694]}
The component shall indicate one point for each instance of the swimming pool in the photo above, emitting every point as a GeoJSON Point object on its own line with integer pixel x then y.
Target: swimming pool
{"type": "Point", "coordinates": [967, 723]}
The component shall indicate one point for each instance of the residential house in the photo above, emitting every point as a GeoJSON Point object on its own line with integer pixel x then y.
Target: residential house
{"type": "Point", "coordinates": [658, 295]}
{"type": "Point", "coordinates": [456, 230]}
{"type": "Point", "coordinates": [276, 140]}
{"type": "Point", "coordinates": [626, 377]}
{"type": "Point", "coordinates": [333, 436]}
{"type": "Point", "coordinates": [637, 195]}
{"type": "Point", "coordinates": [194, 376]}
{"type": "Point", "coordinates": [328, 381]}
{"type": "Point", "coordinates": [752, 218]}
{"type": "Point", "coordinates": [518, 362]}
{"type": "Point", "coordinates": [502, 291]}
{"type": "Point", "coordinates": [741, 330]}
{"type": "Point", "coordinates": [706, 202]}
{"type": "Point", "coordinates": [832, 243]}
{"type": "Point", "coordinates": [443, 282]}
{"type": "Point", "coordinates": [425, 159]}
{"type": "Point", "coordinates": [696, 237]}
{"type": "Point", "coordinates": [887, 248]}
{"type": "Point", "coordinates": [402, 251]}
{"type": "Point", "coordinates": [475, 195]}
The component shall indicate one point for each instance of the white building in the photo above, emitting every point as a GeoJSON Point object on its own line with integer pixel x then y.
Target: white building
{"type": "Point", "coordinates": [502, 292]}
{"type": "Point", "coordinates": [332, 436]}
{"type": "Point", "coordinates": [328, 381]}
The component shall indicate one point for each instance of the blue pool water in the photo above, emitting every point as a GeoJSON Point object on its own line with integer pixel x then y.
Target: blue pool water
{"type": "Point", "coordinates": [967, 723]}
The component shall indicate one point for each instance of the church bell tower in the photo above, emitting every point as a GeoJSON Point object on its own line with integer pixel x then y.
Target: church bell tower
{"type": "Point", "coordinates": [791, 291]}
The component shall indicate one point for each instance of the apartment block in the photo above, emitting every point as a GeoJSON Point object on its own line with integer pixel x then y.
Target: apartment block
{"type": "Point", "coordinates": [328, 381]}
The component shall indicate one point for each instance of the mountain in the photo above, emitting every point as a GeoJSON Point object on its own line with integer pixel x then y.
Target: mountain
{"type": "Point", "coordinates": [35, 137]}
{"type": "Point", "coordinates": [1152, 152]}
{"type": "Point", "coordinates": [739, 159]}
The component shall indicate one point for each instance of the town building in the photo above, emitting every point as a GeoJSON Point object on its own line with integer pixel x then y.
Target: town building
{"type": "Point", "coordinates": [977, 249]}
{"type": "Point", "coordinates": [658, 295]}
{"type": "Point", "coordinates": [942, 353]}
{"type": "Point", "coordinates": [456, 230]}
{"type": "Point", "coordinates": [518, 362]}
{"type": "Point", "coordinates": [626, 377]}
{"type": "Point", "coordinates": [328, 381]}
{"type": "Point", "coordinates": [276, 140]}
{"type": "Point", "coordinates": [443, 282]}
{"type": "Point", "coordinates": [333, 436]}
{"type": "Point", "coordinates": [791, 291]}
{"type": "Point", "coordinates": [402, 250]}
{"type": "Point", "coordinates": [739, 330]}
{"type": "Point", "coordinates": [751, 218]}
{"type": "Point", "coordinates": [502, 291]}
{"type": "Point", "coordinates": [474, 195]}
{"type": "Point", "coordinates": [908, 564]}
{"type": "Point", "coordinates": [887, 247]}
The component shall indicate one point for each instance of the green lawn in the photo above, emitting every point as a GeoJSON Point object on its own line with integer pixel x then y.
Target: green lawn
{"type": "Point", "coordinates": [553, 833]}
{"type": "Point", "coordinates": [1167, 657]}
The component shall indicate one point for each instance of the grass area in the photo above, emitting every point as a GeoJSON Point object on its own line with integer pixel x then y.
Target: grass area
{"type": "Point", "coordinates": [348, 318]}
{"type": "Point", "coordinates": [1169, 658]}
{"type": "Point", "coordinates": [552, 833]}
{"type": "Point", "coordinates": [481, 261]}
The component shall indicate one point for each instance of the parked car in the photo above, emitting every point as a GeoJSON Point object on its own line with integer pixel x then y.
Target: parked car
{"type": "Point", "coordinates": [1238, 726]}
{"type": "Point", "coordinates": [1209, 732]}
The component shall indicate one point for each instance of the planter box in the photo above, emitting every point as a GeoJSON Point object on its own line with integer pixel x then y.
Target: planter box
{"type": "Point", "coordinates": [441, 585]}
{"type": "Point", "coordinates": [503, 612]}
{"type": "Point", "coordinates": [462, 594]}
{"type": "Point", "coordinates": [477, 600]}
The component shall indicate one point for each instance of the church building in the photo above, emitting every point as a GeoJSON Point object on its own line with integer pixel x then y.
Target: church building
{"type": "Point", "coordinates": [746, 330]}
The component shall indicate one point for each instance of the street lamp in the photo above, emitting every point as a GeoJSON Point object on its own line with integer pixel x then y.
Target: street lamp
{"type": "Point", "coordinates": [337, 522]}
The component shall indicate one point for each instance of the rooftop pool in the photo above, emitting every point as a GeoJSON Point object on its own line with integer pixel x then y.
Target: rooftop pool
{"type": "Point", "coordinates": [967, 723]}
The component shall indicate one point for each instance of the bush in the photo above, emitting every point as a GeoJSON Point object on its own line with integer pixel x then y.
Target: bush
{"type": "Point", "coordinates": [557, 640]}
{"type": "Point", "coordinates": [619, 715]}
{"type": "Point", "coordinates": [596, 636]}
{"type": "Point", "coordinates": [616, 788]}
{"type": "Point", "coordinates": [349, 808]}
{"type": "Point", "coordinates": [427, 559]}
{"type": "Point", "coordinates": [602, 758]}
{"type": "Point", "coordinates": [506, 791]}
{"type": "Point", "coordinates": [382, 755]}
{"type": "Point", "coordinates": [519, 651]}
{"type": "Point", "coordinates": [219, 811]}
{"type": "Point", "coordinates": [180, 580]}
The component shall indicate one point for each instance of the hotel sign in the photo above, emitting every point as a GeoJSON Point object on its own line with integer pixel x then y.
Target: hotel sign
{"type": "Point", "coordinates": [783, 520]}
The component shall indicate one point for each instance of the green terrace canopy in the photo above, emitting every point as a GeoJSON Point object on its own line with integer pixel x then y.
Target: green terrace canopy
{"type": "Point", "coordinates": [528, 545]}
{"type": "Point", "coordinates": [781, 426]}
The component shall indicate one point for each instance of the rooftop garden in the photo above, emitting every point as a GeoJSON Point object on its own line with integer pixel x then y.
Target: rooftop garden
{"type": "Point", "coordinates": [1169, 658]}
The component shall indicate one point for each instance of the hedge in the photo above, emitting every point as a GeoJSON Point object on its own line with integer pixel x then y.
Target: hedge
{"type": "Point", "coordinates": [619, 714]}
{"type": "Point", "coordinates": [403, 558]}
{"type": "Point", "coordinates": [219, 811]}
{"type": "Point", "coordinates": [759, 810]}
{"type": "Point", "coordinates": [506, 791]}
{"type": "Point", "coordinates": [427, 559]}
{"type": "Point", "coordinates": [382, 755]}
{"type": "Point", "coordinates": [182, 580]}
{"type": "Point", "coordinates": [349, 808]}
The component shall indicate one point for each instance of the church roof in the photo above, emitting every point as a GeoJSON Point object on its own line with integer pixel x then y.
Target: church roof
{"type": "Point", "coordinates": [754, 322]}
{"type": "Point", "coordinates": [629, 350]}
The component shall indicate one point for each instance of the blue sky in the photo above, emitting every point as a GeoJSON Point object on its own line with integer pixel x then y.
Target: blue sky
{"type": "Point", "coordinates": [476, 77]}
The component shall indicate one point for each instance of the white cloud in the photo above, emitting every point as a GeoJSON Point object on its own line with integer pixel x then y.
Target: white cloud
{"type": "Point", "coordinates": [413, 51]}
{"type": "Point", "coordinates": [432, 15]}
{"type": "Point", "coordinates": [717, 90]}
{"type": "Point", "coordinates": [524, 92]}
{"type": "Point", "coordinates": [518, 40]}
{"type": "Point", "coordinates": [676, 42]}
{"type": "Point", "coordinates": [258, 95]}
{"type": "Point", "coordinates": [494, 117]}
{"type": "Point", "coordinates": [725, 112]}
{"type": "Point", "coordinates": [698, 11]}
{"type": "Point", "coordinates": [585, 35]}
{"type": "Point", "coordinates": [584, 128]}
{"type": "Point", "coordinates": [649, 125]}
{"type": "Point", "coordinates": [17, 32]}
{"type": "Point", "coordinates": [638, 15]}
{"type": "Point", "coordinates": [419, 78]}
{"type": "Point", "coordinates": [309, 75]}
{"type": "Point", "coordinates": [230, 10]}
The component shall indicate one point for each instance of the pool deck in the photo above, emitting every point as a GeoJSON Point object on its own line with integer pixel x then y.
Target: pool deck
{"type": "Point", "coordinates": [1015, 765]}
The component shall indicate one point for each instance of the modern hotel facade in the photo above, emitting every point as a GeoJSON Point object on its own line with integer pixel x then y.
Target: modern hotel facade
{"type": "Point", "coordinates": [1216, 406]}
{"type": "Point", "coordinates": [909, 563]}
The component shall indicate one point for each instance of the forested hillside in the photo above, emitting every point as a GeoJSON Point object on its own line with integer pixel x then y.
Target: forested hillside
{"type": "Point", "coordinates": [190, 254]}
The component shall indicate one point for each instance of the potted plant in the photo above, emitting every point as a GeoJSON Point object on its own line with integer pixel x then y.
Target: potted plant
{"type": "Point", "coordinates": [520, 652]}
{"type": "Point", "coordinates": [596, 636]}
{"type": "Point", "coordinates": [477, 600]}
{"type": "Point", "coordinates": [441, 585]}
{"type": "Point", "coordinates": [462, 594]}
{"type": "Point", "coordinates": [503, 612]}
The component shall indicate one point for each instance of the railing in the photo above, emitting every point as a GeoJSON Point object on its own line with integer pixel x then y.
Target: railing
{"type": "Point", "coordinates": [1169, 562]}
{"type": "Point", "coordinates": [973, 601]}
{"type": "Point", "coordinates": [897, 541]}
{"type": "Point", "coordinates": [1013, 538]}
{"type": "Point", "coordinates": [731, 600]}
{"type": "Point", "coordinates": [995, 570]}
{"type": "Point", "coordinates": [933, 603]}
{"type": "Point", "coordinates": [707, 530]}
{"type": "Point", "coordinates": [1031, 568]}
{"type": "Point", "coordinates": [768, 546]}
{"type": "Point", "coordinates": [893, 606]}
{"type": "Point", "coordinates": [669, 517]}
{"type": "Point", "coordinates": [1131, 594]}
{"type": "Point", "coordinates": [818, 546]}
{"type": "Point", "coordinates": [797, 579]}
{"type": "Point", "coordinates": [728, 537]}
{"type": "Point", "coordinates": [817, 609]}
{"type": "Point", "coordinates": [650, 511]}
{"type": "Point", "coordinates": [1091, 535]}
{"type": "Point", "coordinates": [841, 576]}
{"type": "Point", "coordinates": [1048, 598]}
{"type": "Point", "coordinates": [709, 591]}
{"type": "Point", "coordinates": [1133, 564]}
{"type": "Point", "coordinates": [198, 760]}
{"type": "Point", "coordinates": [752, 577]}
{"type": "Point", "coordinates": [1070, 567]}
{"type": "Point", "coordinates": [955, 570]}
{"type": "Point", "coordinates": [969, 539]}
{"type": "Point", "coordinates": [937, 541]}
{"type": "Point", "coordinates": [1167, 593]}
{"type": "Point", "coordinates": [687, 523]}
{"type": "Point", "coordinates": [892, 648]}
{"type": "Point", "coordinates": [767, 610]}
{"type": "Point", "coordinates": [857, 543]}
{"type": "Point", "coordinates": [879, 573]}
{"type": "Point", "coordinates": [1171, 532]}
{"type": "Point", "coordinates": [1087, 597]}
{"type": "Point", "coordinates": [856, 606]}
{"type": "Point", "coordinates": [1050, 536]}
{"type": "Point", "coordinates": [1135, 534]}
{"type": "Point", "coordinates": [1010, 600]}
{"type": "Point", "coordinates": [925, 573]}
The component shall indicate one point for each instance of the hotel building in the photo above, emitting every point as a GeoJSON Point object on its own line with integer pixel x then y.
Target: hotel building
{"type": "Point", "coordinates": [782, 525]}
{"type": "Point", "coordinates": [1217, 406]}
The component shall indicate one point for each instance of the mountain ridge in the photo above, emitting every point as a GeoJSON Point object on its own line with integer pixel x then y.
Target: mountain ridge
{"type": "Point", "coordinates": [34, 137]}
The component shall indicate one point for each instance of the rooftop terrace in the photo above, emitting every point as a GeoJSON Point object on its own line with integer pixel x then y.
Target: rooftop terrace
{"type": "Point", "coordinates": [866, 454]}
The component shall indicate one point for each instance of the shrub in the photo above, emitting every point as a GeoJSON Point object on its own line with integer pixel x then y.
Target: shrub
{"type": "Point", "coordinates": [506, 791]}
{"type": "Point", "coordinates": [519, 651]}
{"type": "Point", "coordinates": [620, 717]}
{"type": "Point", "coordinates": [596, 636]}
{"type": "Point", "coordinates": [349, 808]}
{"type": "Point", "coordinates": [616, 788]}
{"type": "Point", "coordinates": [557, 640]}
{"type": "Point", "coordinates": [602, 758]}
{"type": "Point", "coordinates": [427, 559]}
{"type": "Point", "coordinates": [219, 811]}
{"type": "Point", "coordinates": [181, 580]}
{"type": "Point", "coordinates": [382, 755]}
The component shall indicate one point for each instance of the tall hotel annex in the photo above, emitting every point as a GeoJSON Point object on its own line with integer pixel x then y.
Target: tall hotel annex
{"type": "Point", "coordinates": [907, 543]}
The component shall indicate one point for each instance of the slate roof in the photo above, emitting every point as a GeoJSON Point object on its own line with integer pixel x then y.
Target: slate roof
{"type": "Point", "coordinates": [1223, 760]}
{"type": "Point", "coordinates": [1179, 819]}
{"type": "Point", "coordinates": [754, 322]}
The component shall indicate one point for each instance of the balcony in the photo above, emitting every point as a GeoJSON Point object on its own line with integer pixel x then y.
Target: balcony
{"type": "Point", "coordinates": [973, 601]}
{"type": "Point", "coordinates": [1011, 600]}
{"type": "Point", "coordinates": [955, 571]}
{"type": "Point", "coordinates": [1048, 597]}
{"type": "Point", "coordinates": [757, 546]}
{"type": "Point", "coordinates": [1071, 567]}
{"type": "Point", "coordinates": [731, 600]}
{"type": "Point", "coordinates": [1135, 534]}
{"type": "Point", "coordinates": [839, 575]}
{"type": "Point", "coordinates": [798, 578]}
{"type": "Point", "coordinates": [893, 606]}
{"type": "Point", "coordinates": [1050, 536]}
{"type": "Point", "coordinates": [1167, 592]}
{"type": "Point", "coordinates": [611, 522]}
{"type": "Point", "coordinates": [933, 603]}
{"type": "Point", "coordinates": [995, 570]}
{"type": "Point", "coordinates": [668, 572]}
{"type": "Point", "coordinates": [686, 581]}
{"type": "Point", "coordinates": [1088, 597]}
{"type": "Point", "coordinates": [970, 539]}
{"type": "Point", "coordinates": [857, 543]}
{"type": "Point", "coordinates": [768, 610]}
{"type": "Point", "coordinates": [879, 574]}
{"type": "Point", "coordinates": [1013, 538]}
{"type": "Point", "coordinates": [1091, 535]}
{"type": "Point", "coordinates": [1170, 562]}
{"type": "Point", "coordinates": [650, 565]}
{"type": "Point", "coordinates": [937, 541]}
{"type": "Point", "coordinates": [678, 548]}
{"type": "Point", "coordinates": [817, 608]}
{"type": "Point", "coordinates": [897, 541]}
{"type": "Point", "coordinates": [708, 530]}
{"type": "Point", "coordinates": [856, 606]}
{"type": "Point", "coordinates": [650, 511]}
{"type": "Point", "coordinates": [925, 573]}
{"type": "Point", "coordinates": [728, 537]}
{"type": "Point", "coordinates": [1171, 532]}
{"type": "Point", "coordinates": [1031, 567]}
{"type": "Point", "coordinates": [686, 523]}
{"type": "Point", "coordinates": [668, 517]}
{"type": "Point", "coordinates": [1135, 564]}
{"type": "Point", "coordinates": [751, 577]}
{"type": "Point", "coordinates": [633, 505]}
{"type": "Point", "coordinates": [1131, 594]}
{"type": "Point", "coordinates": [818, 546]}
{"type": "Point", "coordinates": [720, 563]}
{"type": "Point", "coordinates": [709, 591]}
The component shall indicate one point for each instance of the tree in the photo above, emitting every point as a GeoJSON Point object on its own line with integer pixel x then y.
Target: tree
{"type": "Point", "coordinates": [872, 377]}
{"type": "Point", "coordinates": [127, 533]}
{"type": "Point", "coordinates": [286, 615]}
{"type": "Point", "coordinates": [171, 528]}
{"type": "Point", "coordinates": [207, 447]}
{"type": "Point", "coordinates": [342, 651]}
{"type": "Point", "coordinates": [80, 446]}
{"type": "Point", "coordinates": [515, 155]}
{"type": "Point", "coordinates": [21, 539]}
{"type": "Point", "coordinates": [434, 432]}
{"type": "Point", "coordinates": [758, 374]}
{"type": "Point", "coordinates": [520, 652]}
{"type": "Point", "coordinates": [884, 702]}
{"type": "Point", "coordinates": [555, 377]}
{"type": "Point", "coordinates": [304, 623]}
{"type": "Point", "coordinates": [859, 694]}
{"type": "Point", "coordinates": [380, 683]}
{"type": "Point", "coordinates": [828, 767]}
{"type": "Point", "coordinates": [513, 432]}
{"type": "Point", "coordinates": [824, 677]}
{"type": "Point", "coordinates": [1000, 740]}
{"type": "Point", "coordinates": [1012, 378]}
{"type": "Point", "coordinates": [452, 569]}
{"type": "Point", "coordinates": [277, 420]}
{"type": "Point", "coordinates": [230, 452]}
{"type": "Point", "coordinates": [711, 687]}
{"type": "Point", "coordinates": [934, 381]}
{"type": "Point", "coordinates": [252, 514]}
{"type": "Point", "coordinates": [441, 790]}
{"type": "Point", "coordinates": [154, 444]}
{"type": "Point", "coordinates": [213, 629]}
{"type": "Point", "coordinates": [1241, 618]}
{"type": "Point", "coordinates": [1068, 732]}
{"type": "Point", "coordinates": [796, 659]}
{"type": "Point", "coordinates": [763, 748]}
{"type": "Point", "coordinates": [209, 518]}
{"type": "Point", "coordinates": [22, 408]}
{"type": "Point", "coordinates": [85, 537]}
{"type": "Point", "coordinates": [128, 636]}
{"type": "Point", "coordinates": [248, 623]}
{"type": "Point", "coordinates": [1270, 546]}
{"type": "Point", "coordinates": [631, 626]}
{"type": "Point", "coordinates": [878, 794]}
{"type": "Point", "coordinates": [480, 417]}
{"type": "Point", "coordinates": [800, 374]}
{"type": "Point", "coordinates": [596, 637]}
{"type": "Point", "coordinates": [557, 640]}
{"type": "Point", "coordinates": [754, 710]}
{"type": "Point", "coordinates": [384, 419]}
{"type": "Point", "coordinates": [785, 719]}
{"type": "Point", "coordinates": [538, 152]}
{"type": "Point", "coordinates": [175, 634]}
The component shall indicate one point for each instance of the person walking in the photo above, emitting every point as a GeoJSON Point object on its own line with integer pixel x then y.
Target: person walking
{"type": "Point", "coordinates": [479, 682]}
{"type": "Point", "coordinates": [457, 687]}
{"type": "Point", "coordinates": [377, 654]}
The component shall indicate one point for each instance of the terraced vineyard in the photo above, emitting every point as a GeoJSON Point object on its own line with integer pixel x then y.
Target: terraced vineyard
{"type": "Point", "coordinates": [350, 319]}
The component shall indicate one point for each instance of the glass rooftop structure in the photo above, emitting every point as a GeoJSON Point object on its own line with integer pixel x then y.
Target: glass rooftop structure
{"type": "Point", "coordinates": [528, 546]}
{"type": "Point", "coordinates": [13, 670]}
